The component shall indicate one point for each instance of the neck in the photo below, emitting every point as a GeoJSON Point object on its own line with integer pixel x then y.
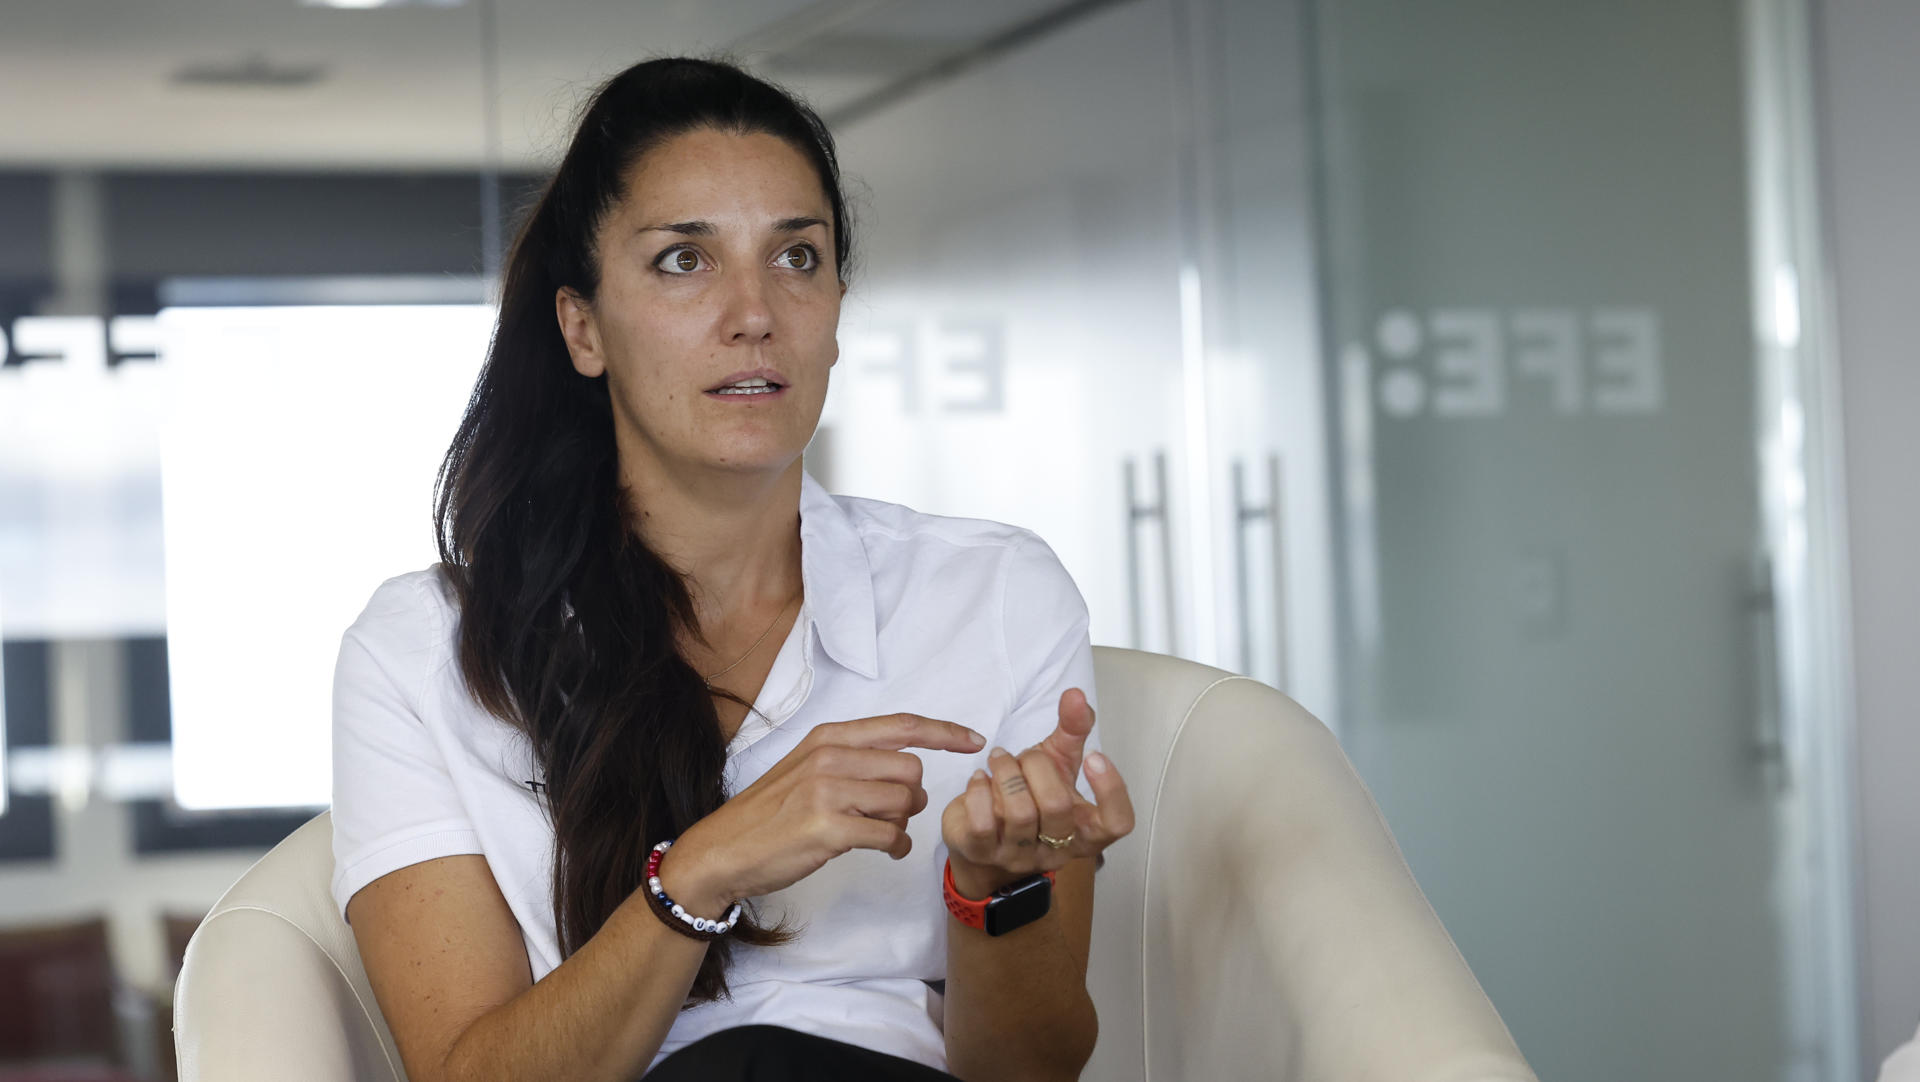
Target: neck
{"type": "Point", "coordinates": [734, 534]}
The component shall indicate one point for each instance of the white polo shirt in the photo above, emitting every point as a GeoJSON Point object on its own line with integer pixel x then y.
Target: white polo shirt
{"type": "Point", "coordinates": [960, 619]}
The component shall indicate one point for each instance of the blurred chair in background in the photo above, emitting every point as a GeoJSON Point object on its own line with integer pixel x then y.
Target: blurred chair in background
{"type": "Point", "coordinates": [1259, 923]}
{"type": "Point", "coordinates": [178, 929]}
{"type": "Point", "coordinates": [58, 1021]}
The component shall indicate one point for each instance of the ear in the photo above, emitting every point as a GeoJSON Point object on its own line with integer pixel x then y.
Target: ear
{"type": "Point", "coordinates": [582, 337]}
{"type": "Point", "coordinates": [836, 338]}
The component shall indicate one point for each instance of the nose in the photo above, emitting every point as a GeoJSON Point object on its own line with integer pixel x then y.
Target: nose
{"type": "Point", "coordinates": [748, 316]}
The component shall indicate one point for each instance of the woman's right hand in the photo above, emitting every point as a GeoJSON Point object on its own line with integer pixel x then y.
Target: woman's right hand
{"type": "Point", "coordinates": [847, 785]}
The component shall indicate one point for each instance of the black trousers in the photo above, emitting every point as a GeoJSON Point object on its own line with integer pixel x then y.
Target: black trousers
{"type": "Point", "coordinates": [763, 1053]}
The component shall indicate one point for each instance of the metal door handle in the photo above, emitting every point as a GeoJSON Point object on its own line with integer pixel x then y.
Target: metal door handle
{"type": "Point", "coordinates": [1769, 740]}
{"type": "Point", "coordinates": [1274, 513]}
{"type": "Point", "coordinates": [1135, 512]}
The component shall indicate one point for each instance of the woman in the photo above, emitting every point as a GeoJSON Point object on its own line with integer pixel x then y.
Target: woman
{"type": "Point", "coordinates": [612, 780]}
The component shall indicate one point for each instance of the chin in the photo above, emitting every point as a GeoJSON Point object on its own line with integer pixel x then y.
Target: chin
{"type": "Point", "coordinates": [759, 461]}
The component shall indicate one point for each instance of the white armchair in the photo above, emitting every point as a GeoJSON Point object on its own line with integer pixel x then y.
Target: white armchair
{"type": "Point", "coordinates": [1259, 922]}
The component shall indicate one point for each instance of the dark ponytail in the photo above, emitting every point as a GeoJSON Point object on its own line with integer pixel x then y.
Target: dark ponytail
{"type": "Point", "coordinates": [568, 619]}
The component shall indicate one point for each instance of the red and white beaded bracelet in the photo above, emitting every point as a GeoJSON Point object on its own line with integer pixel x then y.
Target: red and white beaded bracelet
{"type": "Point", "coordinates": [697, 927]}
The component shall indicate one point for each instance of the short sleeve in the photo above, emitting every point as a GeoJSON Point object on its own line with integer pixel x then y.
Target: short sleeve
{"type": "Point", "coordinates": [394, 801]}
{"type": "Point", "coordinates": [1044, 620]}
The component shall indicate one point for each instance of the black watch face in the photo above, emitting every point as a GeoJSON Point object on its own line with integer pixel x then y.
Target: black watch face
{"type": "Point", "coordinates": [1019, 903]}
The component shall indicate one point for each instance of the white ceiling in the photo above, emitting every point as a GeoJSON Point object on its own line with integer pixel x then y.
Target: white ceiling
{"type": "Point", "coordinates": [93, 82]}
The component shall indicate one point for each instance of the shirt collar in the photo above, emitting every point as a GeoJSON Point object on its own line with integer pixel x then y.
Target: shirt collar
{"type": "Point", "coordinates": [838, 580]}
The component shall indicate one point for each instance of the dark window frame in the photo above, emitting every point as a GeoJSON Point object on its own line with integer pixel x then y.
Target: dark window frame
{"type": "Point", "coordinates": [26, 830]}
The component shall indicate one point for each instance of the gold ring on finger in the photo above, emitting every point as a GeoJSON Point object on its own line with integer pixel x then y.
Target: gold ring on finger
{"type": "Point", "coordinates": [1058, 843]}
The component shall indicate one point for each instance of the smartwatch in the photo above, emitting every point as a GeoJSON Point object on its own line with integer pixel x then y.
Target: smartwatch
{"type": "Point", "coordinates": [1020, 902]}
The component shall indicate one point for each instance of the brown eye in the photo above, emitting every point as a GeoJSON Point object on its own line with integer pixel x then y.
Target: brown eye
{"type": "Point", "coordinates": [805, 260]}
{"type": "Point", "coordinates": [678, 261]}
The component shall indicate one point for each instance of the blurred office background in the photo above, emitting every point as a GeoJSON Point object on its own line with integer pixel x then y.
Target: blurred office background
{"type": "Point", "coordinates": [1527, 388]}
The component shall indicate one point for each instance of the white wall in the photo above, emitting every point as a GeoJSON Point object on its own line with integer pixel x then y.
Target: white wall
{"type": "Point", "coordinates": [1869, 83]}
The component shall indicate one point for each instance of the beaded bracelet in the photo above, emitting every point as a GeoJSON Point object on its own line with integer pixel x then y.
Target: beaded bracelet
{"type": "Point", "coordinates": [677, 917]}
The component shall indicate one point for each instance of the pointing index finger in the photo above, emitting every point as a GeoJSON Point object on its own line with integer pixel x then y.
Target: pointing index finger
{"type": "Point", "coordinates": [896, 731]}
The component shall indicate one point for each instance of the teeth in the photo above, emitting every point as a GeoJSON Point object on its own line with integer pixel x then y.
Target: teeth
{"type": "Point", "coordinates": [762, 389]}
{"type": "Point", "coordinates": [754, 382]}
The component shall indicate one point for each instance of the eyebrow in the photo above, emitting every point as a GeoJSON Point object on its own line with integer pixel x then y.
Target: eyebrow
{"type": "Point", "coordinates": [706, 229]}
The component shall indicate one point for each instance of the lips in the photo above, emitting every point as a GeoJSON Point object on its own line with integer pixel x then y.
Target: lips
{"type": "Point", "coordinates": [752, 392]}
{"type": "Point", "coordinates": [771, 375]}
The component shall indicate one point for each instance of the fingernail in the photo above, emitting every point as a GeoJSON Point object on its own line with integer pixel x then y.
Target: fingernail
{"type": "Point", "coordinates": [1097, 763]}
{"type": "Point", "coordinates": [977, 776]}
{"type": "Point", "coordinates": [978, 740]}
{"type": "Point", "coordinates": [999, 751]}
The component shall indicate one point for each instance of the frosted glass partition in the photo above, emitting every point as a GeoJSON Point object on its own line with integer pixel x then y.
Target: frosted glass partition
{"type": "Point", "coordinates": [298, 452]}
{"type": "Point", "coordinates": [1553, 301]}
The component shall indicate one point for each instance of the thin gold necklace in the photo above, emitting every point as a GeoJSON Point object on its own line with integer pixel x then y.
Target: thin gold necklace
{"type": "Point", "coordinates": [756, 642]}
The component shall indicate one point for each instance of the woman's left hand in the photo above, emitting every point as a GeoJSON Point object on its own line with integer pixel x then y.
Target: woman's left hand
{"type": "Point", "coordinates": [992, 829]}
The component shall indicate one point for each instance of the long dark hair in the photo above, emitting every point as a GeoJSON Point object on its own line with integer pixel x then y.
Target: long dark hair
{"type": "Point", "coordinates": [568, 618]}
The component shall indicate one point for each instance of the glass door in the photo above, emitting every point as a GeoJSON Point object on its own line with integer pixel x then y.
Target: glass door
{"type": "Point", "coordinates": [1250, 271]}
{"type": "Point", "coordinates": [1011, 348]}
{"type": "Point", "coordinates": [1537, 383]}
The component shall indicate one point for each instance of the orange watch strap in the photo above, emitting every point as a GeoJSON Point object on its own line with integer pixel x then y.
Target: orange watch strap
{"type": "Point", "coordinates": [971, 912]}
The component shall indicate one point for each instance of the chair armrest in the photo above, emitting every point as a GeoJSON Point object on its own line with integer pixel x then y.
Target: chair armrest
{"type": "Point", "coordinates": [284, 1008]}
{"type": "Point", "coordinates": [1288, 889]}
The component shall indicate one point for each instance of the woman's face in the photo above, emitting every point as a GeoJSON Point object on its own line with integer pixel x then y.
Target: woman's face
{"type": "Point", "coordinates": [717, 264]}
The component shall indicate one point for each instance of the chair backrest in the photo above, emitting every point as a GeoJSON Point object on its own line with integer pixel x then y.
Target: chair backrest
{"type": "Point", "coordinates": [1272, 928]}
{"type": "Point", "coordinates": [272, 986]}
